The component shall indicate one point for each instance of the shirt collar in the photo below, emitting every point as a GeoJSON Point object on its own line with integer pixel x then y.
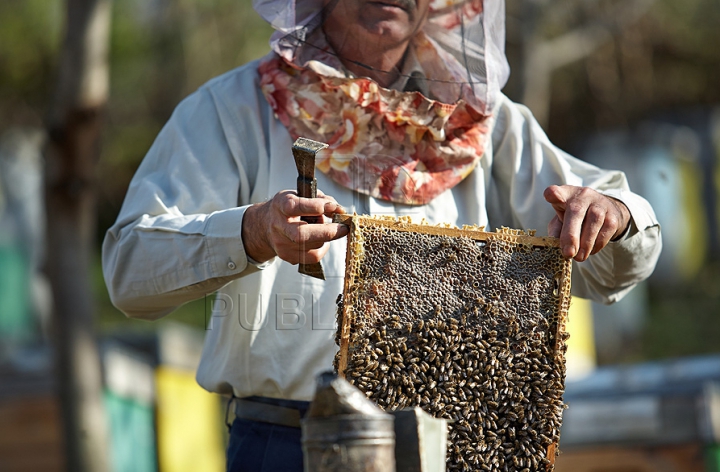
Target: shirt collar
{"type": "Point", "coordinates": [411, 78]}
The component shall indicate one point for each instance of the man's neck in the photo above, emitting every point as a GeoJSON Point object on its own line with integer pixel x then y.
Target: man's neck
{"type": "Point", "coordinates": [383, 69]}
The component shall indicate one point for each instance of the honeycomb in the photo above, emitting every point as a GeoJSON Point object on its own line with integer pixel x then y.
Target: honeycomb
{"type": "Point", "coordinates": [466, 324]}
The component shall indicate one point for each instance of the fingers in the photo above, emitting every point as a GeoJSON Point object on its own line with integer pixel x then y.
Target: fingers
{"type": "Point", "coordinates": [305, 243]}
{"type": "Point", "coordinates": [291, 205]}
{"type": "Point", "coordinates": [585, 220]}
{"type": "Point", "coordinates": [332, 206]}
{"type": "Point", "coordinates": [557, 197]}
{"type": "Point", "coordinates": [570, 205]}
{"type": "Point", "coordinates": [603, 238]}
{"type": "Point", "coordinates": [572, 227]}
{"type": "Point", "coordinates": [309, 257]}
{"type": "Point", "coordinates": [307, 235]}
{"type": "Point", "coordinates": [554, 227]}
{"type": "Point", "coordinates": [591, 226]}
{"type": "Point", "coordinates": [297, 241]}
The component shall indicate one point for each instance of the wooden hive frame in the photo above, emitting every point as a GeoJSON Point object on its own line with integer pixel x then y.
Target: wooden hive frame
{"type": "Point", "coordinates": [445, 359]}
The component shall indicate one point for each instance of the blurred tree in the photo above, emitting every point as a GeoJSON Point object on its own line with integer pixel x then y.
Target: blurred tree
{"type": "Point", "coordinates": [74, 130]}
{"type": "Point", "coordinates": [549, 36]}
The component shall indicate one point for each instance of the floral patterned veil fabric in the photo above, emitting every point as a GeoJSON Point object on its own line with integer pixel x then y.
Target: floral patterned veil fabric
{"type": "Point", "coordinates": [401, 146]}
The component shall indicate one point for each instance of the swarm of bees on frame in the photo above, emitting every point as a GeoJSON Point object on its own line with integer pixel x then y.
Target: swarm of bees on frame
{"type": "Point", "coordinates": [466, 324]}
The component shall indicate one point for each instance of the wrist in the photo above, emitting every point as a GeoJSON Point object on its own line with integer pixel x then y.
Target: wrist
{"type": "Point", "coordinates": [624, 219]}
{"type": "Point", "coordinates": [254, 234]}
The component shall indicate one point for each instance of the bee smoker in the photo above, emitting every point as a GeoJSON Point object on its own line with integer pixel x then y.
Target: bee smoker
{"type": "Point", "coordinates": [345, 432]}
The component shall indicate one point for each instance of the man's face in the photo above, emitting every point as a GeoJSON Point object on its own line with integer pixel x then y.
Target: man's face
{"type": "Point", "coordinates": [374, 24]}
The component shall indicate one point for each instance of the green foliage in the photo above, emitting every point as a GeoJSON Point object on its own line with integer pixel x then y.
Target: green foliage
{"type": "Point", "coordinates": [29, 39]}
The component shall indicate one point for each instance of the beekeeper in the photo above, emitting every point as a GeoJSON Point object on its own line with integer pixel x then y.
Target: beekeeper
{"type": "Point", "coordinates": [407, 95]}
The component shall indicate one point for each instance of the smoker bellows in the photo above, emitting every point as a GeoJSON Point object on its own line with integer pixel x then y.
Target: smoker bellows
{"type": "Point", "coordinates": [468, 325]}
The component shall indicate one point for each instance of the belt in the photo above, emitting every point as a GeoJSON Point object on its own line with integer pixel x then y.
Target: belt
{"type": "Point", "coordinates": [271, 410]}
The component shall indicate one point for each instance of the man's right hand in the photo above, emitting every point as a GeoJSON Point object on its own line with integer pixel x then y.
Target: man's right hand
{"type": "Point", "coordinates": [274, 228]}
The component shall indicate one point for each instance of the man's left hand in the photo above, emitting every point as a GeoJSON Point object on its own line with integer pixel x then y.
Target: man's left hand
{"type": "Point", "coordinates": [585, 219]}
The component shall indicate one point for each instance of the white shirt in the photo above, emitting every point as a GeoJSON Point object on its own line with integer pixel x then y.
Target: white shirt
{"type": "Point", "coordinates": [177, 237]}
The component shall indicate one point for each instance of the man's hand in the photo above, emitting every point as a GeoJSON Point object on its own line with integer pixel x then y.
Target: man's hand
{"type": "Point", "coordinates": [274, 228]}
{"type": "Point", "coordinates": [585, 220]}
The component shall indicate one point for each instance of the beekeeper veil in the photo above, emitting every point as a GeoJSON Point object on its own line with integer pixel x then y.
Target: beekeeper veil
{"type": "Point", "coordinates": [405, 143]}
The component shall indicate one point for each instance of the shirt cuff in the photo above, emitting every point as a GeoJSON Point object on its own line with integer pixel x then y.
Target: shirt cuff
{"type": "Point", "coordinates": [259, 265]}
{"type": "Point", "coordinates": [225, 245]}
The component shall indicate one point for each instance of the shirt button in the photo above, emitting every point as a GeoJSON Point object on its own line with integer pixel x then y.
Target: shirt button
{"type": "Point", "coordinates": [231, 265]}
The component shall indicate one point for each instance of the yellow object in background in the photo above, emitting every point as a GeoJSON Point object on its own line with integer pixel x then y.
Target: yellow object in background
{"type": "Point", "coordinates": [691, 259]}
{"type": "Point", "coordinates": [189, 423]}
{"type": "Point", "coordinates": [580, 357]}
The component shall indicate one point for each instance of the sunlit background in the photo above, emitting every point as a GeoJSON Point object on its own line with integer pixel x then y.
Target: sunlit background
{"type": "Point", "coordinates": [626, 84]}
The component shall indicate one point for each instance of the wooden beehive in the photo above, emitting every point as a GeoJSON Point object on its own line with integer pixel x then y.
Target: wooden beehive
{"type": "Point", "coordinates": [466, 324]}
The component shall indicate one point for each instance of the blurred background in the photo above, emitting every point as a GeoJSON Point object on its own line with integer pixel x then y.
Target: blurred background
{"type": "Point", "coordinates": [85, 86]}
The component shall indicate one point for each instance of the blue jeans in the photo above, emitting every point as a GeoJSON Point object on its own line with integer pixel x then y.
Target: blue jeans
{"type": "Point", "coordinates": [263, 447]}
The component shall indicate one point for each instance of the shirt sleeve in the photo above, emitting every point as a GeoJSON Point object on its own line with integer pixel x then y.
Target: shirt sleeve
{"type": "Point", "coordinates": [178, 235]}
{"type": "Point", "coordinates": [525, 163]}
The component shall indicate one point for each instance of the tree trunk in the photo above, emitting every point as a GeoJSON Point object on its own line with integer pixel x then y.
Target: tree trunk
{"type": "Point", "coordinates": [74, 128]}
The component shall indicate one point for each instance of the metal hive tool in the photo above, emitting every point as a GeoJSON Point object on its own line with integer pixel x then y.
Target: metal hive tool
{"type": "Point", "coordinates": [466, 324]}
{"type": "Point", "coordinates": [304, 151]}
